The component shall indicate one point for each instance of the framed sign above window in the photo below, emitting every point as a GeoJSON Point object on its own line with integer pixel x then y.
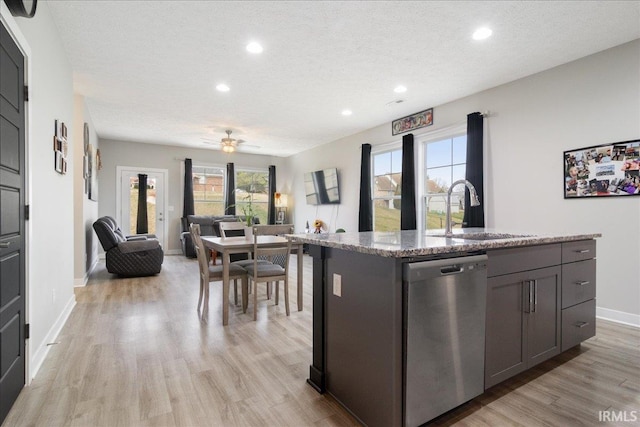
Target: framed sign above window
{"type": "Point", "coordinates": [414, 121]}
{"type": "Point", "coordinates": [603, 170]}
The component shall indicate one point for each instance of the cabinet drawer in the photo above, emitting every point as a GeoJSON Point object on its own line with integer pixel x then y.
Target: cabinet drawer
{"type": "Point", "coordinates": [578, 324]}
{"type": "Point", "coordinates": [578, 251]}
{"type": "Point", "coordinates": [578, 282]}
{"type": "Point", "coordinates": [512, 260]}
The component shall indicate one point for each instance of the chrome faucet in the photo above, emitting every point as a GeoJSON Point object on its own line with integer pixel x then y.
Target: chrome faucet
{"type": "Point", "coordinates": [475, 201]}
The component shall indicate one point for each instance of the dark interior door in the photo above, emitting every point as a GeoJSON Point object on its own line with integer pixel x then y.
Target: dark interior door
{"type": "Point", "coordinates": [12, 183]}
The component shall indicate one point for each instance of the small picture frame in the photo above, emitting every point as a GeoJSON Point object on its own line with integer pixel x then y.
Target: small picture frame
{"type": "Point", "coordinates": [412, 122]}
{"type": "Point", "coordinates": [59, 162]}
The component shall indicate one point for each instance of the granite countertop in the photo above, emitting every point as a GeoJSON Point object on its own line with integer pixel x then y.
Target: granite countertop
{"type": "Point", "coordinates": [400, 244]}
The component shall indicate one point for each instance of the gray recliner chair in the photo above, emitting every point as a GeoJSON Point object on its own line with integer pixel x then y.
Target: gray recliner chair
{"type": "Point", "coordinates": [138, 255]}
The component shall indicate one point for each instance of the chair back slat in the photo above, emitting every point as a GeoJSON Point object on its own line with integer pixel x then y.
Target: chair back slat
{"type": "Point", "coordinates": [231, 229]}
{"type": "Point", "coordinates": [272, 230]}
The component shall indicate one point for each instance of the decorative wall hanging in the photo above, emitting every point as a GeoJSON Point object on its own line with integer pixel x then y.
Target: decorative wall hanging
{"type": "Point", "coordinates": [603, 170]}
{"type": "Point", "coordinates": [414, 121]}
{"type": "Point", "coordinates": [92, 172]}
{"type": "Point", "coordinates": [85, 159]}
{"type": "Point", "coordinates": [60, 148]}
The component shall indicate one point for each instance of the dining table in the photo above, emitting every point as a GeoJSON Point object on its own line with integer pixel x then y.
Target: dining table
{"type": "Point", "coordinates": [241, 244]}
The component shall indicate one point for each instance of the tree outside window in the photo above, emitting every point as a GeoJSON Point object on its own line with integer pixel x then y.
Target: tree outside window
{"type": "Point", "coordinates": [253, 188]}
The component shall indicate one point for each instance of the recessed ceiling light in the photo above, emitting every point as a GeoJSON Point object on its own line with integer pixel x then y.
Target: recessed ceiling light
{"type": "Point", "coordinates": [482, 33]}
{"type": "Point", "coordinates": [347, 112]}
{"type": "Point", "coordinates": [400, 89]}
{"type": "Point", "coordinates": [254, 47]}
{"type": "Point", "coordinates": [222, 88]}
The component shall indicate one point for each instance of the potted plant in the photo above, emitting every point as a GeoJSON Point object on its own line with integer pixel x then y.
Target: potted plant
{"type": "Point", "coordinates": [248, 211]}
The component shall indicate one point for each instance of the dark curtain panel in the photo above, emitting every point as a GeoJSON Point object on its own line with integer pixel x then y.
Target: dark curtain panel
{"type": "Point", "coordinates": [188, 207]}
{"type": "Point", "coordinates": [474, 217]}
{"type": "Point", "coordinates": [271, 217]}
{"type": "Point", "coordinates": [230, 196]}
{"type": "Point", "coordinates": [142, 224]}
{"type": "Point", "coordinates": [408, 203]}
{"type": "Point", "coordinates": [365, 217]}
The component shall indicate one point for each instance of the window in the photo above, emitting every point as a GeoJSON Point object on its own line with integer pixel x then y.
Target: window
{"type": "Point", "coordinates": [252, 186]}
{"type": "Point", "coordinates": [208, 190]}
{"type": "Point", "coordinates": [445, 163]}
{"type": "Point", "coordinates": [387, 189]}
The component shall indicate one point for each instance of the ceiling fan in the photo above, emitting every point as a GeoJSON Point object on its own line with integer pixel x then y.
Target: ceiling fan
{"type": "Point", "coordinates": [228, 144]}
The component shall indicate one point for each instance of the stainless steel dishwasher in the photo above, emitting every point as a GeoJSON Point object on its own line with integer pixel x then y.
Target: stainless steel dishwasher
{"type": "Point", "coordinates": [445, 318]}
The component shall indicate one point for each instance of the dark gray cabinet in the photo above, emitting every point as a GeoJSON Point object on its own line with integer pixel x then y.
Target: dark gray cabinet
{"type": "Point", "coordinates": [578, 292]}
{"type": "Point", "coordinates": [540, 301]}
{"type": "Point", "coordinates": [523, 322]}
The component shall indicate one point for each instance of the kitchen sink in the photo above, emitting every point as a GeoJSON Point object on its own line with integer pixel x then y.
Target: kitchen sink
{"type": "Point", "coordinates": [482, 236]}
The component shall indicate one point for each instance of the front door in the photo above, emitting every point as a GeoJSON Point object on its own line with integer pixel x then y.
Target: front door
{"type": "Point", "coordinates": [12, 225]}
{"type": "Point", "coordinates": [155, 201]}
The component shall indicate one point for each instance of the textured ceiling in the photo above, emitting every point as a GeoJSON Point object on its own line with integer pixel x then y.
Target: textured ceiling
{"type": "Point", "coordinates": [148, 69]}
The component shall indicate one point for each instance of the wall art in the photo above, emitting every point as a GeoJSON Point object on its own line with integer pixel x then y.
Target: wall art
{"type": "Point", "coordinates": [603, 170]}
{"type": "Point", "coordinates": [60, 148]}
{"type": "Point", "coordinates": [414, 121]}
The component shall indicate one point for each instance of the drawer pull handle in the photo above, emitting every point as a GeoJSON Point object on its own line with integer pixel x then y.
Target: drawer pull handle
{"type": "Point", "coordinates": [5, 245]}
{"type": "Point", "coordinates": [582, 324]}
{"type": "Point", "coordinates": [583, 251]}
{"type": "Point", "coordinates": [582, 283]}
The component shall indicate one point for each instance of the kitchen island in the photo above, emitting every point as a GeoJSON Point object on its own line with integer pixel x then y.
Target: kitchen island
{"type": "Point", "coordinates": [361, 310]}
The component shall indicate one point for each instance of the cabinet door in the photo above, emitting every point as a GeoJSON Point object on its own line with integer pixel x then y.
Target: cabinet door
{"type": "Point", "coordinates": [505, 337]}
{"type": "Point", "coordinates": [544, 323]}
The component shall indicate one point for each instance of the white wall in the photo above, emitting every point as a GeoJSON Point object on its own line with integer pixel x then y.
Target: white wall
{"type": "Point", "coordinates": [85, 211]}
{"type": "Point", "coordinates": [50, 229]}
{"type": "Point", "coordinates": [123, 153]}
{"type": "Point", "coordinates": [592, 101]}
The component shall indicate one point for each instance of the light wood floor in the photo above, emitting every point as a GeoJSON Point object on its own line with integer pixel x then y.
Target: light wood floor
{"type": "Point", "coordinates": [135, 352]}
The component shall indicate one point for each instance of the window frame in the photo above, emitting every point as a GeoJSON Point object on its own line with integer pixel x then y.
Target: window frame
{"type": "Point", "coordinates": [443, 135]}
{"type": "Point", "coordinates": [238, 199]}
{"type": "Point", "coordinates": [206, 166]}
{"type": "Point", "coordinates": [383, 149]}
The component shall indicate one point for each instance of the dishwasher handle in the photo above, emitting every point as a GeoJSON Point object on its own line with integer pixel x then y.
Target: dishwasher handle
{"type": "Point", "coordinates": [451, 269]}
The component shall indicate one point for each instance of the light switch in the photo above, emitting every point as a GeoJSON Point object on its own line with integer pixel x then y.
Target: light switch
{"type": "Point", "coordinates": [337, 285]}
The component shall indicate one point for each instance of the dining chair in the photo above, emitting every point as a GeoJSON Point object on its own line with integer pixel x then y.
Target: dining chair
{"type": "Point", "coordinates": [276, 267]}
{"type": "Point", "coordinates": [213, 273]}
{"type": "Point", "coordinates": [236, 229]}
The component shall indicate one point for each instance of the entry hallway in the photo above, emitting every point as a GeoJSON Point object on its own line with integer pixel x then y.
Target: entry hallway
{"type": "Point", "coordinates": [135, 352]}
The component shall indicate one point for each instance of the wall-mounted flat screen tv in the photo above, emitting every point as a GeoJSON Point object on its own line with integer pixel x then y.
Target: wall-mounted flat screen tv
{"type": "Point", "coordinates": [321, 187]}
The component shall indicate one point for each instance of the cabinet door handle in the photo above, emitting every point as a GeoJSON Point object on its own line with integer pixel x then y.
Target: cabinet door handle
{"type": "Point", "coordinates": [530, 295]}
{"type": "Point", "coordinates": [4, 245]}
{"type": "Point", "coordinates": [583, 251]}
{"type": "Point", "coordinates": [582, 282]}
{"type": "Point", "coordinates": [581, 324]}
{"type": "Point", "coordinates": [535, 295]}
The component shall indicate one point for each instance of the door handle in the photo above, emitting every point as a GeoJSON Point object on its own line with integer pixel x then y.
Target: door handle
{"type": "Point", "coordinates": [529, 291]}
{"type": "Point", "coordinates": [582, 282]}
{"type": "Point", "coordinates": [4, 245]}
{"type": "Point", "coordinates": [581, 324]}
{"type": "Point", "coordinates": [535, 295]}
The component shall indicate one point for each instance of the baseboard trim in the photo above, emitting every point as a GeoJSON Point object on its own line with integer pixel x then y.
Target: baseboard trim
{"type": "Point", "coordinates": [618, 316]}
{"type": "Point", "coordinates": [80, 282]}
{"type": "Point", "coordinates": [41, 353]}
{"type": "Point", "coordinates": [173, 252]}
